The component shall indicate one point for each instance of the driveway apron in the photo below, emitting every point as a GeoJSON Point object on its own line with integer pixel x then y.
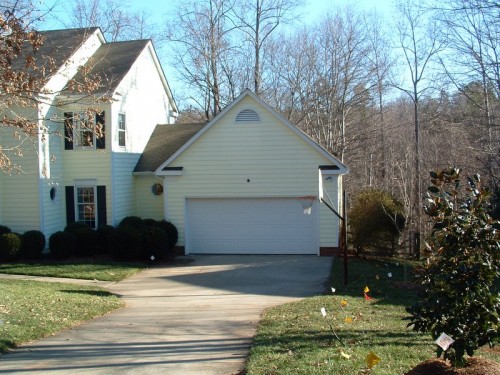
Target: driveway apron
{"type": "Point", "coordinates": [195, 317]}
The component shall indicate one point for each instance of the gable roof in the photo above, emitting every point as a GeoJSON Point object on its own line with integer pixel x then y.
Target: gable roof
{"type": "Point", "coordinates": [58, 45]}
{"type": "Point", "coordinates": [112, 61]}
{"type": "Point", "coordinates": [342, 168]}
{"type": "Point", "coordinates": [163, 143]}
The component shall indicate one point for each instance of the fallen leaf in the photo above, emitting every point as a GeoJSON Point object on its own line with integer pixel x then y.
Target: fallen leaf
{"type": "Point", "coordinates": [372, 359]}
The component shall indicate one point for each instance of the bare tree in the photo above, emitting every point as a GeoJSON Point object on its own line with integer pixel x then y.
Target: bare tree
{"type": "Point", "coordinates": [472, 65]}
{"type": "Point", "coordinates": [201, 40]}
{"type": "Point", "coordinates": [419, 44]}
{"type": "Point", "coordinates": [114, 17]}
{"type": "Point", "coordinates": [257, 20]}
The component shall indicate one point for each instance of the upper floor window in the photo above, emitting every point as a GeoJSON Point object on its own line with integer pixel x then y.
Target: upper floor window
{"type": "Point", "coordinates": [84, 130]}
{"type": "Point", "coordinates": [121, 129]}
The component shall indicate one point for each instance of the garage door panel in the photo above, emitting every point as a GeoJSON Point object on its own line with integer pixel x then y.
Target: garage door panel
{"type": "Point", "coordinates": [250, 226]}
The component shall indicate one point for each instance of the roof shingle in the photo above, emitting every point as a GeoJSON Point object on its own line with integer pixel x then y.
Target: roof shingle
{"type": "Point", "coordinates": [163, 143]}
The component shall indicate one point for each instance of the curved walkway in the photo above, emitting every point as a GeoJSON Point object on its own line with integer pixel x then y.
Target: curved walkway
{"type": "Point", "coordinates": [194, 318]}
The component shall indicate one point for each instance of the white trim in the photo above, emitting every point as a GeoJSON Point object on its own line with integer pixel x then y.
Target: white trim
{"type": "Point", "coordinates": [342, 168]}
{"type": "Point", "coordinates": [169, 173]}
{"type": "Point", "coordinates": [163, 79]}
{"type": "Point", "coordinates": [95, 203]}
{"type": "Point", "coordinates": [165, 199]}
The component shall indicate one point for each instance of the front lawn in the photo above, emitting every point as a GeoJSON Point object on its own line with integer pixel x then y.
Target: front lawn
{"type": "Point", "coordinates": [31, 310]}
{"type": "Point", "coordinates": [103, 271]}
{"type": "Point", "coordinates": [295, 338]}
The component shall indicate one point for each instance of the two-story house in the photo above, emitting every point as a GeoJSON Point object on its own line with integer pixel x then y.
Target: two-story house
{"type": "Point", "coordinates": [247, 182]}
{"type": "Point", "coordinates": [72, 172]}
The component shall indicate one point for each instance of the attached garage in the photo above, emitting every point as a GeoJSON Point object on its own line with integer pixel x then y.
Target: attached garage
{"type": "Point", "coordinates": [250, 226]}
{"type": "Point", "coordinates": [233, 185]}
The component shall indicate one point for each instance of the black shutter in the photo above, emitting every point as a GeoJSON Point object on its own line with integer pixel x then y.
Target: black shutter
{"type": "Point", "coordinates": [101, 206]}
{"type": "Point", "coordinates": [101, 141]}
{"type": "Point", "coordinates": [68, 130]}
{"type": "Point", "coordinates": [70, 204]}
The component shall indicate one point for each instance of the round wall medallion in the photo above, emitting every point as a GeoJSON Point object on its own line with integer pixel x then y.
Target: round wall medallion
{"type": "Point", "coordinates": [157, 189]}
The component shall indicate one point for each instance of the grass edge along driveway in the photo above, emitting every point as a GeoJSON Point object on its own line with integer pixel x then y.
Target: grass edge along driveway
{"type": "Point", "coordinates": [31, 310]}
{"type": "Point", "coordinates": [357, 335]}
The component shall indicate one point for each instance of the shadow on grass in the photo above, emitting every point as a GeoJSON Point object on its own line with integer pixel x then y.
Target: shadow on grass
{"type": "Point", "coordinates": [6, 345]}
{"type": "Point", "coordinates": [312, 339]}
{"type": "Point", "coordinates": [389, 281]}
{"type": "Point", "coordinates": [97, 293]}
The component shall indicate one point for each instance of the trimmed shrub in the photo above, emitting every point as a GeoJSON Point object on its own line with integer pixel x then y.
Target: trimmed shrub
{"type": "Point", "coordinates": [125, 243]}
{"type": "Point", "coordinates": [10, 246]}
{"type": "Point", "coordinates": [376, 220]}
{"type": "Point", "coordinates": [150, 222]}
{"type": "Point", "coordinates": [103, 233]}
{"type": "Point", "coordinates": [171, 230]}
{"type": "Point", "coordinates": [86, 242]}
{"type": "Point", "coordinates": [132, 221]}
{"type": "Point", "coordinates": [32, 244]}
{"type": "Point", "coordinates": [155, 243]}
{"type": "Point", "coordinates": [62, 245]}
{"type": "Point", "coordinates": [4, 230]}
{"type": "Point", "coordinates": [76, 226]}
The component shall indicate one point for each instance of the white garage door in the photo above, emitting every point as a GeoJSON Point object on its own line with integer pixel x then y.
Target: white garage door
{"type": "Point", "coordinates": [250, 226]}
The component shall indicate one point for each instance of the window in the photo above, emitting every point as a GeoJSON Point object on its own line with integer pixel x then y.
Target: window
{"type": "Point", "coordinates": [83, 130]}
{"type": "Point", "coordinates": [86, 202]}
{"type": "Point", "coordinates": [86, 207]}
{"type": "Point", "coordinates": [121, 129]}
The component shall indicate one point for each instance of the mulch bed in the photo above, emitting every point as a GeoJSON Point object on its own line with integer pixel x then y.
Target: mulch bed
{"type": "Point", "coordinates": [475, 366]}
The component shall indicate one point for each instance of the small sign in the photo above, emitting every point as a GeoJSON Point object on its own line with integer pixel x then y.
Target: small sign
{"type": "Point", "coordinates": [152, 258]}
{"type": "Point", "coordinates": [323, 312]}
{"type": "Point", "coordinates": [389, 274]}
{"type": "Point", "coordinates": [333, 290]}
{"type": "Point", "coordinates": [444, 341]}
{"type": "Point", "coordinates": [366, 289]}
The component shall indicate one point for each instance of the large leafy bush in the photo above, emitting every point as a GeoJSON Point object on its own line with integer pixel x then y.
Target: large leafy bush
{"type": "Point", "coordinates": [457, 280]}
{"type": "Point", "coordinates": [376, 220]}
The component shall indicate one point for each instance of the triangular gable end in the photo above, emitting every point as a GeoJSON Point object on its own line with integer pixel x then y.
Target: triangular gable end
{"type": "Point", "coordinates": [342, 169]}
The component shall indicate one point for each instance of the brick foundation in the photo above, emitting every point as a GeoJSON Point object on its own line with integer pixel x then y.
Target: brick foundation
{"type": "Point", "coordinates": [328, 251]}
{"type": "Point", "coordinates": [178, 250]}
{"type": "Point", "coordinates": [323, 251]}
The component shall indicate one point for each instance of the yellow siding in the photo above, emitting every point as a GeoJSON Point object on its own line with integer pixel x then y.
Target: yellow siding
{"type": "Point", "coordinates": [20, 204]}
{"type": "Point", "coordinates": [148, 204]}
{"type": "Point", "coordinates": [265, 159]}
{"type": "Point", "coordinates": [89, 165]}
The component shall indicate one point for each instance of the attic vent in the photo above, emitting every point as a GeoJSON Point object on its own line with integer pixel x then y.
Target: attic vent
{"type": "Point", "coordinates": [248, 115]}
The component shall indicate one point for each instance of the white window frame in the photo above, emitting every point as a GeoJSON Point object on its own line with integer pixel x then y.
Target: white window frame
{"type": "Point", "coordinates": [91, 207]}
{"type": "Point", "coordinates": [79, 119]}
{"type": "Point", "coordinates": [122, 129]}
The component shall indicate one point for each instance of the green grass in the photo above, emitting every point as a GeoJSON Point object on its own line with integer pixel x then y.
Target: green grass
{"type": "Point", "coordinates": [31, 310]}
{"type": "Point", "coordinates": [103, 271]}
{"type": "Point", "coordinates": [296, 339]}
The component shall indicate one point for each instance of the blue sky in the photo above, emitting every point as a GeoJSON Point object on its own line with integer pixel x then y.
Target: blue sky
{"type": "Point", "coordinates": [159, 11]}
{"type": "Point", "coordinates": [313, 9]}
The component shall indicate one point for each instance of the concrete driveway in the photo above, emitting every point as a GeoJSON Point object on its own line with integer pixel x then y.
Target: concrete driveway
{"type": "Point", "coordinates": [196, 317]}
